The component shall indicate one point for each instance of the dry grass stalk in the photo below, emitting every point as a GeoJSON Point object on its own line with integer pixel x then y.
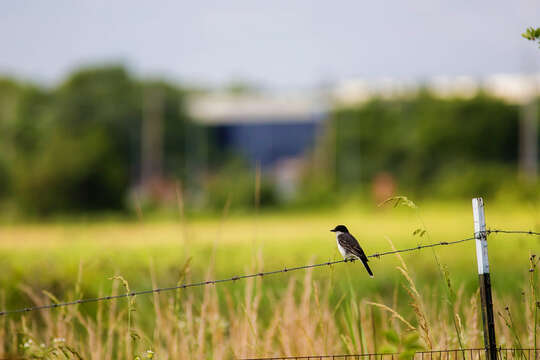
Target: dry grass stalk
{"type": "Point", "coordinates": [416, 300]}
{"type": "Point", "coordinates": [394, 313]}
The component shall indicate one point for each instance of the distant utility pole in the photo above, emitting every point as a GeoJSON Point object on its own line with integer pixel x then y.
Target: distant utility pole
{"type": "Point", "coordinates": [152, 136]}
{"type": "Point", "coordinates": [528, 140]}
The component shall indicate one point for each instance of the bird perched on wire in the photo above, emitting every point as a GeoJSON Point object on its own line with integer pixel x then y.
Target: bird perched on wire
{"type": "Point", "coordinates": [349, 247]}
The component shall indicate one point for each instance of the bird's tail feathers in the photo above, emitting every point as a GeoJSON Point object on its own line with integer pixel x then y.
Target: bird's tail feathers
{"type": "Point", "coordinates": [367, 268]}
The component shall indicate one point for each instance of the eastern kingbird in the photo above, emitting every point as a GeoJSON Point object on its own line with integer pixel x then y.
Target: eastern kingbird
{"type": "Point", "coordinates": [349, 247]}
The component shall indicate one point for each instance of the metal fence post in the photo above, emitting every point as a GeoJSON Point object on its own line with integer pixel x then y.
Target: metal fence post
{"type": "Point", "coordinates": [480, 234]}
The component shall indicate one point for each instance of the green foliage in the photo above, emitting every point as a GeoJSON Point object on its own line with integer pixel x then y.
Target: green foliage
{"type": "Point", "coordinates": [235, 184]}
{"type": "Point", "coordinates": [75, 148]}
{"type": "Point", "coordinates": [406, 344]}
{"type": "Point", "coordinates": [532, 34]}
{"type": "Point", "coordinates": [315, 191]}
{"type": "Point", "coordinates": [423, 140]}
{"type": "Point", "coordinates": [472, 180]}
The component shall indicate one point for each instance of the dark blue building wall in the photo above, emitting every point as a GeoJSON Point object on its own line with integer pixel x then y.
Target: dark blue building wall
{"type": "Point", "coordinates": [268, 142]}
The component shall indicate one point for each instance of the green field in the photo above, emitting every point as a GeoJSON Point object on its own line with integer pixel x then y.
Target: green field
{"type": "Point", "coordinates": [80, 258]}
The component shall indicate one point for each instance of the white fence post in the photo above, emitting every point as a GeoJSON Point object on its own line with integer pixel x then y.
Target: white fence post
{"type": "Point", "coordinates": [480, 234]}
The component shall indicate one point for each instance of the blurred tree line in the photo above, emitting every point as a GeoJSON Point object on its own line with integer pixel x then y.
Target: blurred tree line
{"type": "Point", "coordinates": [76, 147]}
{"type": "Point", "coordinates": [429, 145]}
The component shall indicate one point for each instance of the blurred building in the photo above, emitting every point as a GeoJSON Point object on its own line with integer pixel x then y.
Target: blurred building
{"type": "Point", "coordinates": [514, 88]}
{"type": "Point", "coordinates": [264, 129]}
{"type": "Point", "coordinates": [273, 130]}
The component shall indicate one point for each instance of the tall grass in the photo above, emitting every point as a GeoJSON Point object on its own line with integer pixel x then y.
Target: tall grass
{"type": "Point", "coordinates": [301, 319]}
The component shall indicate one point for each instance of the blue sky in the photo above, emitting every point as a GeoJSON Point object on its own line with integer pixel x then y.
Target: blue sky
{"type": "Point", "coordinates": [276, 44]}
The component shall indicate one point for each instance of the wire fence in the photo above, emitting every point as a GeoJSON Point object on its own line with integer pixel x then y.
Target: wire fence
{"type": "Point", "coordinates": [391, 356]}
{"type": "Point", "coordinates": [477, 354]}
{"type": "Point", "coordinates": [259, 274]}
{"type": "Point", "coordinates": [457, 354]}
{"type": "Point", "coordinates": [529, 232]}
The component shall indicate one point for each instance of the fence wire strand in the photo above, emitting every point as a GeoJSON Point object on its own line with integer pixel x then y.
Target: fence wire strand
{"type": "Point", "coordinates": [240, 277]}
{"type": "Point", "coordinates": [529, 232]}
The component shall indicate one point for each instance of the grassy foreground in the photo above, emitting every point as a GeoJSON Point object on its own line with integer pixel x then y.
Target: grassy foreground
{"type": "Point", "coordinates": [408, 305]}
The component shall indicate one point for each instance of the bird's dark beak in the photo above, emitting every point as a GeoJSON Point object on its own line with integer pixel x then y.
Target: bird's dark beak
{"type": "Point", "coordinates": [333, 230]}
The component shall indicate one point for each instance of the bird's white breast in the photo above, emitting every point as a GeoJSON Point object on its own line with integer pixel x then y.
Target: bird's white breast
{"type": "Point", "coordinates": [341, 249]}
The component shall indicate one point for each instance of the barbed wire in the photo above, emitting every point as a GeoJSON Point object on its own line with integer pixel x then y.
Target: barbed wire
{"type": "Point", "coordinates": [240, 277]}
{"type": "Point", "coordinates": [529, 232]}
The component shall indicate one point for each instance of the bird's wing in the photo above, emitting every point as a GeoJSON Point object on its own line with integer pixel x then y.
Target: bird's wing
{"type": "Point", "coordinates": [349, 243]}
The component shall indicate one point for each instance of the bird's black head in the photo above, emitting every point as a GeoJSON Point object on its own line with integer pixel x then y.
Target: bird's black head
{"type": "Point", "coordinates": [341, 228]}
